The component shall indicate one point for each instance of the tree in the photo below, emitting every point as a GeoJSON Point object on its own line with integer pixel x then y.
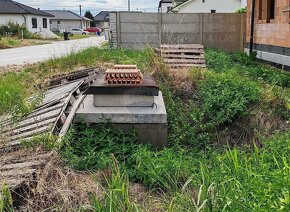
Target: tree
{"type": "Point", "coordinates": [89, 15]}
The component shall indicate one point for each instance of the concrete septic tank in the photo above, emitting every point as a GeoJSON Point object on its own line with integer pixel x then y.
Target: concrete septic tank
{"type": "Point", "coordinates": [127, 106]}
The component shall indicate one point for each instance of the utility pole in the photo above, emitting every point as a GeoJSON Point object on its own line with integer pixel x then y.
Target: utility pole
{"type": "Point", "coordinates": [129, 6]}
{"type": "Point", "coordinates": [80, 10]}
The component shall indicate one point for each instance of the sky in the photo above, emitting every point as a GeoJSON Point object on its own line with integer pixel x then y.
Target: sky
{"type": "Point", "coordinates": [94, 6]}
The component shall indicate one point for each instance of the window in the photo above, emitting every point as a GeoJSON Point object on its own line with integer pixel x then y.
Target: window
{"type": "Point", "coordinates": [266, 10]}
{"type": "Point", "coordinates": [169, 8]}
{"type": "Point", "coordinates": [34, 23]}
{"type": "Point", "coordinates": [213, 11]}
{"type": "Point", "coordinates": [50, 22]}
{"type": "Point", "coordinates": [44, 23]}
{"type": "Point", "coordinates": [58, 22]}
{"type": "Point", "coordinates": [271, 9]}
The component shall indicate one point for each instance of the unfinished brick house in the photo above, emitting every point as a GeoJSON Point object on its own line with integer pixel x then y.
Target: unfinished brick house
{"type": "Point", "coordinates": [271, 30]}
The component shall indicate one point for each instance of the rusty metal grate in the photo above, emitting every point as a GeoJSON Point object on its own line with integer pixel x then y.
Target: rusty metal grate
{"type": "Point", "coordinates": [124, 75]}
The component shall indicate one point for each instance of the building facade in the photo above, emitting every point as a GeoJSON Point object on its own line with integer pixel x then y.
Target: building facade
{"type": "Point", "coordinates": [33, 19]}
{"type": "Point", "coordinates": [271, 30]}
{"type": "Point", "coordinates": [209, 6]}
{"type": "Point", "coordinates": [66, 19]}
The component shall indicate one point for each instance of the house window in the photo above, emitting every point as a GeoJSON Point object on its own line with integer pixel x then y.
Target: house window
{"type": "Point", "coordinates": [271, 9]}
{"type": "Point", "coordinates": [34, 22]}
{"type": "Point", "coordinates": [213, 11]}
{"type": "Point", "coordinates": [58, 22]}
{"type": "Point", "coordinates": [44, 23]}
{"type": "Point", "coordinates": [50, 22]}
{"type": "Point", "coordinates": [266, 9]}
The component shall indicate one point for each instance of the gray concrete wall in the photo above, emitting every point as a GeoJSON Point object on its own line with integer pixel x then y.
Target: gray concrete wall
{"type": "Point", "coordinates": [140, 30]}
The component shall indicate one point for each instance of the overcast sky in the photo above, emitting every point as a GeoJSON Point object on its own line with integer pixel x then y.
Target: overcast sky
{"type": "Point", "coordinates": [94, 6]}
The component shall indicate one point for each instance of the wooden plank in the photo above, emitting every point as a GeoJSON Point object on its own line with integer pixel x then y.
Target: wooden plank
{"type": "Point", "coordinates": [18, 173]}
{"type": "Point", "coordinates": [185, 56]}
{"type": "Point", "coordinates": [46, 110]}
{"type": "Point", "coordinates": [32, 127]}
{"type": "Point", "coordinates": [190, 46]}
{"type": "Point", "coordinates": [38, 131]}
{"type": "Point", "coordinates": [70, 117]}
{"type": "Point", "coordinates": [186, 65]}
{"type": "Point", "coordinates": [25, 157]}
{"type": "Point", "coordinates": [31, 165]}
{"type": "Point", "coordinates": [125, 67]}
{"type": "Point", "coordinates": [188, 51]}
{"type": "Point", "coordinates": [180, 61]}
{"type": "Point", "coordinates": [33, 120]}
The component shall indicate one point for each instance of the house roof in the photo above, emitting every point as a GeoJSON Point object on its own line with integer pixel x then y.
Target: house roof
{"type": "Point", "coordinates": [13, 7]}
{"type": "Point", "coordinates": [170, 1]}
{"type": "Point", "coordinates": [102, 16]}
{"type": "Point", "coordinates": [66, 15]}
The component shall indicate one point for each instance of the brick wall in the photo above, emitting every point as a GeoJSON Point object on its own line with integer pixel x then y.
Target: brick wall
{"type": "Point", "coordinates": [275, 33]}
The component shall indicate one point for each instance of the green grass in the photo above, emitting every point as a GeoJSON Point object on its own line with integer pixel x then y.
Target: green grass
{"type": "Point", "coordinates": [229, 135]}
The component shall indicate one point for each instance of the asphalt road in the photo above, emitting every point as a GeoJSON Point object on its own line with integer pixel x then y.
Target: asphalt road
{"type": "Point", "coordinates": [33, 54]}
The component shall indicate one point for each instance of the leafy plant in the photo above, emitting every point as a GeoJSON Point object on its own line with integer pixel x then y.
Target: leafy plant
{"type": "Point", "coordinates": [6, 203]}
{"type": "Point", "coordinates": [91, 148]}
{"type": "Point", "coordinates": [226, 97]}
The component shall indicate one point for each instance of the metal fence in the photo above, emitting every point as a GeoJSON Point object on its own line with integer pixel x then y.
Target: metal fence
{"type": "Point", "coordinates": [140, 30]}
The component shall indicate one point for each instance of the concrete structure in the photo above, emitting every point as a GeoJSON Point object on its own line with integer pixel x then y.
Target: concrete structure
{"type": "Point", "coordinates": [65, 19]}
{"type": "Point", "coordinates": [166, 5]}
{"type": "Point", "coordinates": [150, 123]}
{"type": "Point", "coordinates": [209, 6]}
{"type": "Point", "coordinates": [103, 20]}
{"type": "Point", "coordinates": [271, 30]}
{"type": "Point", "coordinates": [33, 19]}
{"type": "Point", "coordinates": [140, 30]}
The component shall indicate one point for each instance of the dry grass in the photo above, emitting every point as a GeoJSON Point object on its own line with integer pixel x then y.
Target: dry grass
{"type": "Point", "coordinates": [61, 189]}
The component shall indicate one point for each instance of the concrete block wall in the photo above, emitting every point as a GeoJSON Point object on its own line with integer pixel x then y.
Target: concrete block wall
{"type": "Point", "coordinates": [140, 30]}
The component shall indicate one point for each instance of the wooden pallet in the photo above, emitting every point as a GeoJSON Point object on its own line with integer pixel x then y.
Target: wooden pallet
{"type": "Point", "coordinates": [54, 116]}
{"type": "Point", "coordinates": [183, 55]}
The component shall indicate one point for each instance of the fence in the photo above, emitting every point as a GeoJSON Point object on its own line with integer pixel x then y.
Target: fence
{"type": "Point", "coordinates": [138, 30]}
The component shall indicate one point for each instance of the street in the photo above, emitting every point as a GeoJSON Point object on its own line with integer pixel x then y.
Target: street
{"type": "Point", "coordinates": [33, 54]}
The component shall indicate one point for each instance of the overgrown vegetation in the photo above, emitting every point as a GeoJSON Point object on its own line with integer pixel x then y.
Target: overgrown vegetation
{"type": "Point", "coordinates": [229, 137]}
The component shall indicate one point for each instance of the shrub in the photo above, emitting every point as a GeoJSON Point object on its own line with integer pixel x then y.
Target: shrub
{"type": "Point", "coordinates": [226, 96]}
{"type": "Point", "coordinates": [92, 148]}
{"type": "Point", "coordinates": [14, 29]}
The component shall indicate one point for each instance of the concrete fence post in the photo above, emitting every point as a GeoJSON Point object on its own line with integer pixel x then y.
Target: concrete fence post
{"type": "Point", "coordinates": [160, 28]}
{"type": "Point", "coordinates": [119, 44]}
{"type": "Point", "coordinates": [201, 28]}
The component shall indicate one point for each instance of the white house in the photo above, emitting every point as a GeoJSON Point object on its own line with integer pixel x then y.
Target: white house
{"type": "Point", "coordinates": [34, 20]}
{"type": "Point", "coordinates": [102, 19]}
{"type": "Point", "coordinates": [65, 19]}
{"type": "Point", "coordinates": [209, 6]}
{"type": "Point", "coordinates": [166, 5]}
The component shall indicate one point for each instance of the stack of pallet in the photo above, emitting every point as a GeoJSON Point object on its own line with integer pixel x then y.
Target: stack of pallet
{"type": "Point", "coordinates": [183, 55]}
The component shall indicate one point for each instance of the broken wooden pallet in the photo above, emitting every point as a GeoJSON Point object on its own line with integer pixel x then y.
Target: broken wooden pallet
{"type": "Point", "coordinates": [183, 55]}
{"type": "Point", "coordinates": [53, 116]}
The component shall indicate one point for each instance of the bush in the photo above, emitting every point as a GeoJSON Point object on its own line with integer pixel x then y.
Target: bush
{"type": "Point", "coordinates": [226, 97]}
{"type": "Point", "coordinates": [92, 148]}
{"type": "Point", "coordinates": [14, 29]}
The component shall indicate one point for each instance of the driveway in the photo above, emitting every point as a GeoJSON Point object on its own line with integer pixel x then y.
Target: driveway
{"type": "Point", "coordinates": [33, 54]}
